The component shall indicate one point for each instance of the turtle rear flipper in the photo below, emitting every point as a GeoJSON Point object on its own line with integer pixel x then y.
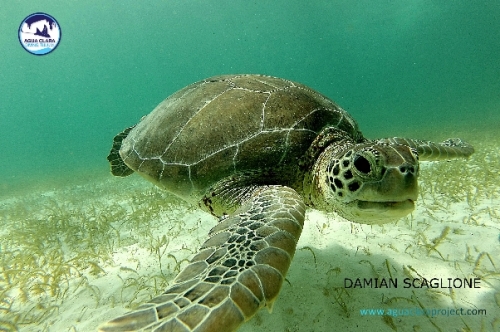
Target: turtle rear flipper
{"type": "Point", "coordinates": [451, 148]}
{"type": "Point", "coordinates": [118, 166]}
{"type": "Point", "coordinates": [238, 270]}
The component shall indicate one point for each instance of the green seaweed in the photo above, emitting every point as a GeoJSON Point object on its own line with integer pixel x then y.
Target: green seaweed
{"type": "Point", "coordinates": [54, 244]}
{"type": "Point", "coordinates": [312, 252]}
{"type": "Point", "coordinates": [389, 322]}
{"type": "Point", "coordinates": [50, 242]}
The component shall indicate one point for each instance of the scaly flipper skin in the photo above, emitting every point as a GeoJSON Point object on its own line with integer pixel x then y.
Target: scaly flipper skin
{"type": "Point", "coordinates": [257, 149]}
{"type": "Point", "coordinates": [429, 151]}
{"type": "Point", "coordinates": [238, 270]}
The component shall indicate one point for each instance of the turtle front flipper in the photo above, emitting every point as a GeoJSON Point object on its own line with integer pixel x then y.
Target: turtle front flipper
{"type": "Point", "coordinates": [238, 270]}
{"type": "Point", "coordinates": [451, 148]}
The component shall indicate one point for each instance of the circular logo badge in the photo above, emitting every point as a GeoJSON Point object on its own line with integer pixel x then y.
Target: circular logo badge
{"type": "Point", "coordinates": [39, 33]}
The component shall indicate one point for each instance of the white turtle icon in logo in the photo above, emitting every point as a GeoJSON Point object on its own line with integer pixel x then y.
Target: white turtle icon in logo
{"type": "Point", "coordinates": [39, 33]}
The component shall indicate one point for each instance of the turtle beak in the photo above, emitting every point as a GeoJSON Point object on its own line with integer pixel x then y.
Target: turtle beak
{"type": "Point", "coordinates": [397, 185]}
{"type": "Point", "coordinates": [391, 198]}
{"type": "Point", "coordinates": [383, 212]}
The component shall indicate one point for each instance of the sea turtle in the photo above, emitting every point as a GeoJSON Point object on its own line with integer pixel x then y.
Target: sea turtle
{"type": "Point", "coordinates": [255, 151]}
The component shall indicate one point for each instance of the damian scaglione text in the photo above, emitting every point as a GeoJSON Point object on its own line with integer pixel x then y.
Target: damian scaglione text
{"type": "Point", "coordinates": [412, 283]}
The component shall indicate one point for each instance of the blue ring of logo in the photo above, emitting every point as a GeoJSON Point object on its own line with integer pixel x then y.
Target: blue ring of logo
{"type": "Point", "coordinates": [35, 17]}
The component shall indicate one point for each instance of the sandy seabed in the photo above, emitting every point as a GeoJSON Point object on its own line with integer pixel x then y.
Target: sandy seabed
{"type": "Point", "coordinates": [75, 255]}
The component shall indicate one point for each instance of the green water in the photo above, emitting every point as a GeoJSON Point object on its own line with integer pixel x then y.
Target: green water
{"type": "Point", "coordinates": [427, 69]}
{"type": "Point", "coordinates": [393, 65]}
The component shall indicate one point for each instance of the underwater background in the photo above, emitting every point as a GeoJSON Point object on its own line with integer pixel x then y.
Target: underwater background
{"type": "Point", "coordinates": [426, 69]}
{"type": "Point", "coordinates": [394, 65]}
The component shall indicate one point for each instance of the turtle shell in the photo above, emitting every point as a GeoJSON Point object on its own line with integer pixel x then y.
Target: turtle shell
{"type": "Point", "coordinates": [224, 125]}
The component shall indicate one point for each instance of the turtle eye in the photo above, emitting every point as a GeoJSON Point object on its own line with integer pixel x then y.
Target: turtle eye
{"type": "Point", "coordinates": [362, 164]}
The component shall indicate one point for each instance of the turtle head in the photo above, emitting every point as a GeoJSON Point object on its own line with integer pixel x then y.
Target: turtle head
{"type": "Point", "coordinates": [370, 183]}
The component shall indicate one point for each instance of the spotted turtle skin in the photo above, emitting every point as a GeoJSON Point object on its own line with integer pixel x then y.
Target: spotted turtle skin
{"type": "Point", "coordinates": [256, 151]}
